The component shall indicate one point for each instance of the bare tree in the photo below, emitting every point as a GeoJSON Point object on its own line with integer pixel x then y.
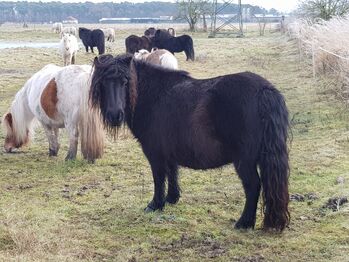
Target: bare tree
{"type": "Point", "coordinates": [192, 10]}
{"type": "Point", "coordinates": [262, 22]}
{"type": "Point", "coordinates": [325, 9]}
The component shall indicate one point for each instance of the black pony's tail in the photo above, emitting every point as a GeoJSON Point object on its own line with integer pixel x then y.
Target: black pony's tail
{"type": "Point", "coordinates": [189, 49]}
{"type": "Point", "coordinates": [273, 160]}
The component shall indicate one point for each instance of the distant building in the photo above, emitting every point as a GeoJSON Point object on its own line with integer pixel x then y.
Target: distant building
{"type": "Point", "coordinates": [117, 20]}
{"type": "Point", "coordinates": [70, 20]}
{"type": "Point", "coordinates": [136, 20]}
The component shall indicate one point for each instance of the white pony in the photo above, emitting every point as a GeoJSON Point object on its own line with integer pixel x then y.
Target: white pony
{"type": "Point", "coordinates": [109, 34]}
{"type": "Point", "coordinates": [69, 30]}
{"type": "Point", "coordinates": [68, 47]}
{"type": "Point", "coordinates": [158, 57]}
{"type": "Point", "coordinates": [58, 97]}
{"type": "Point", "coordinates": [57, 28]}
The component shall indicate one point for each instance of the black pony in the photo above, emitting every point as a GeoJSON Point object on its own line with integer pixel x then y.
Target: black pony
{"type": "Point", "coordinates": [163, 39]}
{"type": "Point", "coordinates": [134, 43]}
{"type": "Point", "coordinates": [201, 124]}
{"type": "Point", "coordinates": [91, 38]}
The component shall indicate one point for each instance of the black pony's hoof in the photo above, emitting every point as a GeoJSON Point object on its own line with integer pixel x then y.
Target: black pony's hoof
{"type": "Point", "coordinates": [152, 207]}
{"type": "Point", "coordinates": [91, 161]}
{"type": "Point", "coordinates": [149, 209]}
{"type": "Point", "coordinates": [243, 224]}
{"type": "Point", "coordinates": [69, 157]}
{"type": "Point", "coordinates": [52, 152]}
{"type": "Point", "coordinates": [172, 199]}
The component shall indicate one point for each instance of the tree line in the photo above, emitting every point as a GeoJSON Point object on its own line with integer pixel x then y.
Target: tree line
{"type": "Point", "coordinates": [88, 12]}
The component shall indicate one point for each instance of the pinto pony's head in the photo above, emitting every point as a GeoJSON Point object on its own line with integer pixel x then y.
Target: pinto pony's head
{"type": "Point", "coordinates": [110, 80]}
{"type": "Point", "coordinates": [67, 41]}
{"type": "Point", "coordinates": [12, 138]}
{"type": "Point", "coordinates": [141, 54]}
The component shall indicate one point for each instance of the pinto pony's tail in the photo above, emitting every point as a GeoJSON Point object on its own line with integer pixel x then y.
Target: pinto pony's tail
{"type": "Point", "coordinates": [273, 160]}
{"type": "Point", "coordinates": [189, 48]}
{"type": "Point", "coordinates": [90, 128]}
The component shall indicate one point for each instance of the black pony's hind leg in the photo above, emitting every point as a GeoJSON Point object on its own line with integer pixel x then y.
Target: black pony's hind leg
{"type": "Point", "coordinates": [252, 185]}
{"type": "Point", "coordinates": [86, 47]}
{"type": "Point", "coordinates": [159, 175]}
{"type": "Point", "coordinates": [173, 191]}
{"type": "Point", "coordinates": [186, 54]}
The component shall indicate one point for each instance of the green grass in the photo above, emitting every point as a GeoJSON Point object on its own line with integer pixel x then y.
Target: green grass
{"type": "Point", "coordinates": [52, 210]}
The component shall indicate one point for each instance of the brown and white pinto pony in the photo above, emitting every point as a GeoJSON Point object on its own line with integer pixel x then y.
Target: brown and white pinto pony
{"type": "Point", "coordinates": [57, 97]}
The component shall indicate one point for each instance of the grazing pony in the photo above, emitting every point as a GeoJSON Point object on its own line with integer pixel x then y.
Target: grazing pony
{"type": "Point", "coordinates": [109, 34]}
{"type": "Point", "coordinates": [57, 28]}
{"type": "Point", "coordinates": [134, 43]}
{"type": "Point", "coordinates": [68, 47]}
{"type": "Point", "coordinates": [92, 38]}
{"type": "Point", "coordinates": [160, 57]}
{"type": "Point", "coordinates": [174, 44]}
{"type": "Point", "coordinates": [238, 119]}
{"type": "Point", "coordinates": [57, 97]}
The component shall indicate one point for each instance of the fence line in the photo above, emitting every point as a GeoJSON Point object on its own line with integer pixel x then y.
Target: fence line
{"type": "Point", "coordinates": [314, 51]}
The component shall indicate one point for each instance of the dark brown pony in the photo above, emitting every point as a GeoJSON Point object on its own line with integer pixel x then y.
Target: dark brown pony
{"type": "Point", "coordinates": [135, 43]}
{"type": "Point", "coordinates": [238, 119]}
{"type": "Point", "coordinates": [150, 32]}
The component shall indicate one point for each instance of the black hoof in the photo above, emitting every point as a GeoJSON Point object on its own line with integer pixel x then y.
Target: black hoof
{"type": "Point", "coordinates": [172, 199]}
{"type": "Point", "coordinates": [149, 210]}
{"type": "Point", "coordinates": [152, 206]}
{"type": "Point", "coordinates": [52, 152]}
{"type": "Point", "coordinates": [91, 161]}
{"type": "Point", "coordinates": [69, 157]}
{"type": "Point", "coordinates": [243, 224]}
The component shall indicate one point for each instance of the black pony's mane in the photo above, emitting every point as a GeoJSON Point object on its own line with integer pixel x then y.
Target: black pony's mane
{"type": "Point", "coordinates": [141, 65]}
{"type": "Point", "coordinates": [120, 65]}
{"type": "Point", "coordinates": [131, 70]}
{"type": "Point", "coordinates": [103, 66]}
{"type": "Point", "coordinates": [84, 29]}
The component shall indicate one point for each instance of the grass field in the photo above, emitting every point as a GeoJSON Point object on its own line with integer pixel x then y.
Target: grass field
{"type": "Point", "coordinates": [52, 210]}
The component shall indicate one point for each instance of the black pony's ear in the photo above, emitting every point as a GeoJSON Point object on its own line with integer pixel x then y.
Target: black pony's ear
{"type": "Point", "coordinates": [103, 61]}
{"type": "Point", "coordinates": [126, 59]}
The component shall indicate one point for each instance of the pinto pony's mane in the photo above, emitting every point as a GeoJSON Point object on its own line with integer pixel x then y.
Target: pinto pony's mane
{"type": "Point", "coordinates": [18, 128]}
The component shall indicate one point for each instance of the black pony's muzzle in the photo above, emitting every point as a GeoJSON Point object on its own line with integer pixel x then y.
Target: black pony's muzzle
{"type": "Point", "coordinates": [115, 118]}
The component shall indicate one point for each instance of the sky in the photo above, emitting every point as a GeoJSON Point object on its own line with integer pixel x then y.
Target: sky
{"type": "Point", "coordinates": [280, 5]}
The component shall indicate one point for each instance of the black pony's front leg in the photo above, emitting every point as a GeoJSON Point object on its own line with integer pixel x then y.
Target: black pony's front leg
{"type": "Point", "coordinates": [91, 47]}
{"type": "Point", "coordinates": [86, 47]}
{"type": "Point", "coordinates": [159, 175]}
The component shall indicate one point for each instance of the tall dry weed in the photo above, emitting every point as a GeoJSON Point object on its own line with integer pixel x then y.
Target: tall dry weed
{"type": "Point", "coordinates": [328, 43]}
